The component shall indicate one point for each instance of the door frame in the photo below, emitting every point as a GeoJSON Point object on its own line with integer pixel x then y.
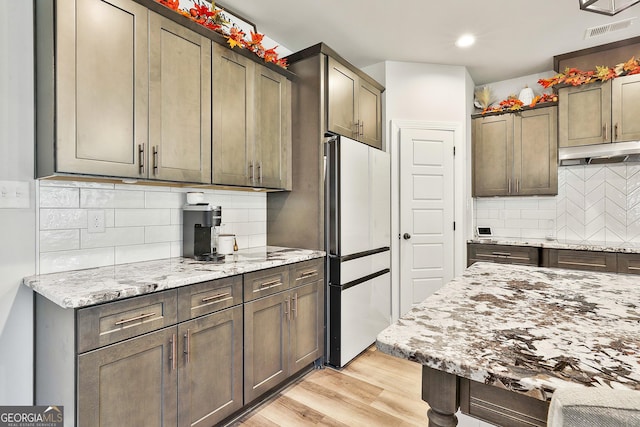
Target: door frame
{"type": "Point", "coordinates": [460, 199]}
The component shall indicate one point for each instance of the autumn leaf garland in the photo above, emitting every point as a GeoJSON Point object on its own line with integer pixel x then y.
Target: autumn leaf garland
{"type": "Point", "coordinates": [575, 77]}
{"type": "Point", "coordinates": [210, 17]}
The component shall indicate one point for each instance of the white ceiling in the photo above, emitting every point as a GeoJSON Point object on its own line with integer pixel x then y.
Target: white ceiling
{"type": "Point", "coordinates": [515, 37]}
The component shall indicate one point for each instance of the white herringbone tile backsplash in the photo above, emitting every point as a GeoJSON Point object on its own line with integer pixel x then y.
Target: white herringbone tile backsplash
{"type": "Point", "coordinates": [595, 203]}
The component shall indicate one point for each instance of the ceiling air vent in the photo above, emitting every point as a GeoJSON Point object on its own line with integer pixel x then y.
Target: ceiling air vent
{"type": "Point", "coordinates": [607, 28]}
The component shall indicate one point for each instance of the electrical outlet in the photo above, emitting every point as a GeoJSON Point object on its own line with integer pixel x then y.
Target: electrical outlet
{"type": "Point", "coordinates": [95, 222]}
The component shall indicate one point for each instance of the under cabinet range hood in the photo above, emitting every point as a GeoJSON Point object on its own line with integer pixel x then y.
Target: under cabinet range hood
{"type": "Point", "coordinates": [615, 152]}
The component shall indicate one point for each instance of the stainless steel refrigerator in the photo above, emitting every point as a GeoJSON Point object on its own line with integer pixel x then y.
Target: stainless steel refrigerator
{"type": "Point", "coordinates": [357, 241]}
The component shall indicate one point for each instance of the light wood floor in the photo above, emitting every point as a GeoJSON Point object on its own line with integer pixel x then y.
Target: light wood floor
{"type": "Point", "coordinates": [373, 390]}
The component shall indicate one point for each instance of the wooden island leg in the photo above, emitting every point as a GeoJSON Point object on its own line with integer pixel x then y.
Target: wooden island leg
{"type": "Point", "coordinates": [442, 392]}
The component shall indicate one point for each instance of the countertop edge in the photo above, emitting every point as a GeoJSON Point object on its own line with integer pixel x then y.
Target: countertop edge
{"type": "Point", "coordinates": [549, 244]}
{"type": "Point", "coordinates": [121, 281]}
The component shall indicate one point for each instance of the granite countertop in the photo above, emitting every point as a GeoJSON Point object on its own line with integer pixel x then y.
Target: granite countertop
{"type": "Point", "coordinates": [631, 248]}
{"type": "Point", "coordinates": [81, 288]}
{"type": "Point", "coordinates": [527, 329]}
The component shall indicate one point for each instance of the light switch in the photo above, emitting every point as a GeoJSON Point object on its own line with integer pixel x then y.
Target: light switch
{"type": "Point", "coordinates": [14, 195]}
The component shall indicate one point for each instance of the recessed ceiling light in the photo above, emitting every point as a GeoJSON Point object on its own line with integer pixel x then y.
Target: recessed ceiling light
{"type": "Point", "coordinates": [465, 40]}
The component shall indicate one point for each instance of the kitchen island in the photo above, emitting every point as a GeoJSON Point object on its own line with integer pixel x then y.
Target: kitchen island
{"type": "Point", "coordinates": [498, 340]}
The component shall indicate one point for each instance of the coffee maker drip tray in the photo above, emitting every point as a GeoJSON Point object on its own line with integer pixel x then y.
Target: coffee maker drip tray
{"type": "Point", "coordinates": [213, 257]}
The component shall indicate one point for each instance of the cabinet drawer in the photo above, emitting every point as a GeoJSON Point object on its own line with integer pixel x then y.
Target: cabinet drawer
{"type": "Point", "coordinates": [580, 260]}
{"type": "Point", "coordinates": [116, 321]}
{"type": "Point", "coordinates": [265, 282]}
{"type": "Point", "coordinates": [506, 254]}
{"type": "Point", "coordinates": [629, 263]}
{"type": "Point", "coordinates": [501, 407]}
{"type": "Point", "coordinates": [208, 297]}
{"type": "Point", "coordinates": [307, 272]}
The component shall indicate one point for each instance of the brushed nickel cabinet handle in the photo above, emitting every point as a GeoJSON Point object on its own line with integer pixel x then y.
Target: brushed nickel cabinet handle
{"type": "Point", "coordinates": [517, 186]}
{"type": "Point", "coordinates": [172, 355]}
{"type": "Point", "coordinates": [187, 344]}
{"type": "Point", "coordinates": [217, 296]}
{"type": "Point", "coordinates": [156, 148]}
{"type": "Point", "coordinates": [251, 171]}
{"type": "Point", "coordinates": [133, 319]}
{"type": "Point", "coordinates": [615, 132]}
{"type": "Point", "coordinates": [357, 131]}
{"type": "Point", "coordinates": [604, 132]}
{"type": "Point", "coordinates": [506, 254]}
{"type": "Point", "coordinates": [294, 306]}
{"type": "Point", "coordinates": [509, 189]}
{"type": "Point", "coordinates": [269, 285]}
{"type": "Point", "coordinates": [260, 172]}
{"type": "Point", "coordinates": [309, 273]}
{"type": "Point", "coordinates": [362, 128]}
{"type": "Point", "coordinates": [140, 158]}
{"type": "Point", "coordinates": [287, 306]}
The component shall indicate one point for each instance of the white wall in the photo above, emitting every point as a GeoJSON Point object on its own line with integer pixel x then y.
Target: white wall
{"type": "Point", "coordinates": [435, 94]}
{"type": "Point", "coordinates": [17, 226]}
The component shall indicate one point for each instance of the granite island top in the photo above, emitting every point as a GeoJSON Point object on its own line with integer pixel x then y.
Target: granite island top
{"type": "Point", "coordinates": [80, 288]}
{"type": "Point", "coordinates": [630, 248]}
{"type": "Point", "coordinates": [527, 329]}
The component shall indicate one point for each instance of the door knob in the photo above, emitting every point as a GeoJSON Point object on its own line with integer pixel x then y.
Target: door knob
{"type": "Point", "coordinates": [406, 236]}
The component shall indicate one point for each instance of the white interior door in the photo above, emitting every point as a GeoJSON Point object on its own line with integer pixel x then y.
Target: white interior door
{"type": "Point", "coordinates": [426, 213]}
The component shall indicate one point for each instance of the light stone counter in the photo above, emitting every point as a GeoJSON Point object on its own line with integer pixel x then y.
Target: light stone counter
{"type": "Point", "coordinates": [630, 248]}
{"type": "Point", "coordinates": [80, 288]}
{"type": "Point", "coordinates": [527, 329]}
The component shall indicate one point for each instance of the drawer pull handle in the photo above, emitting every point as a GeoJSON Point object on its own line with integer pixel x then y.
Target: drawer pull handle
{"type": "Point", "coordinates": [268, 285]}
{"type": "Point", "coordinates": [133, 319]}
{"type": "Point", "coordinates": [217, 296]}
{"type": "Point", "coordinates": [308, 274]}
{"type": "Point", "coordinates": [501, 253]}
{"type": "Point", "coordinates": [287, 309]}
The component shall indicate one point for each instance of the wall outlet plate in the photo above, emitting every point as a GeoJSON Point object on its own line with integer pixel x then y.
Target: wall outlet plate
{"type": "Point", "coordinates": [95, 220]}
{"type": "Point", "coordinates": [14, 195]}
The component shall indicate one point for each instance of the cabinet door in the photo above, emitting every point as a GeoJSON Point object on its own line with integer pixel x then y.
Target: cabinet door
{"type": "Point", "coordinates": [370, 114]}
{"type": "Point", "coordinates": [536, 152]}
{"type": "Point", "coordinates": [584, 114]}
{"type": "Point", "coordinates": [101, 87]}
{"type": "Point", "coordinates": [132, 383]}
{"type": "Point", "coordinates": [492, 155]}
{"type": "Point", "coordinates": [626, 108]}
{"type": "Point", "coordinates": [233, 101]}
{"type": "Point", "coordinates": [179, 102]}
{"type": "Point", "coordinates": [210, 368]}
{"type": "Point", "coordinates": [307, 329]}
{"type": "Point", "coordinates": [343, 100]}
{"type": "Point", "coordinates": [266, 344]}
{"type": "Point", "coordinates": [273, 129]}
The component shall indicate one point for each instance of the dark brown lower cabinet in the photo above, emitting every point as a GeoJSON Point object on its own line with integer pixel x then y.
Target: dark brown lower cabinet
{"type": "Point", "coordinates": [129, 383]}
{"type": "Point", "coordinates": [503, 254]}
{"type": "Point", "coordinates": [191, 356]}
{"type": "Point", "coordinates": [191, 373]}
{"type": "Point", "coordinates": [283, 334]}
{"type": "Point", "coordinates": [210, 368]}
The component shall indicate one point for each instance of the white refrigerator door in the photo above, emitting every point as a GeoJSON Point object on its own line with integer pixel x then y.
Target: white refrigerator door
{"type": "Point", "coordinates": [354, 197]}
{"type": "Point", "coordinates": [380, 194]}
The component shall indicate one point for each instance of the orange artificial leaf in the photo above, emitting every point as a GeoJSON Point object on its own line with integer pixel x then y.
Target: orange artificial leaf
{"type": "Point", "coordinates": [270, 55]}
{"type": "Point", "coordinates": [256, 37]}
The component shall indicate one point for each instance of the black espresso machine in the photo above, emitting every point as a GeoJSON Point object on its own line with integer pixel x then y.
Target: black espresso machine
{"type": "Point", "coordinates": [198, 228]}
